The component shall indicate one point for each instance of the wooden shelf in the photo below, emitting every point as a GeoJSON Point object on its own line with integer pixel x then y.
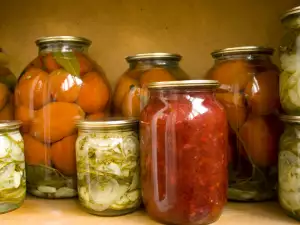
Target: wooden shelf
{"type": "Point", "coordinates": [68, 212]}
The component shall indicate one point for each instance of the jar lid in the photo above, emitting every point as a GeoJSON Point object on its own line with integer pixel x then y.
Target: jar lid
{"type": "Point", "coordinates": [9, 124]}
{"type": "Point", "coordinates": [155, 55]}
{"type": "Point", "coordinates": [114, 122]}
{"type": "Point", "coordinates": [290, 119]}
{"type": "Point", "coordinates": [54, 39]}
{"type": "Point", "coordinates": [207, 84]}
{"type": "Point", "coordinates": [290, 12]}
{"type": "Point", "coordinates": [242, 50]}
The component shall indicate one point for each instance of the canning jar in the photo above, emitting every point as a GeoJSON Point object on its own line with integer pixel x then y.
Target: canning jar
{"type": "Point", "coordinates": [129, 97]}
{"type": "Point", "coordinates": [250, 85]}
{"type": "Point", "coordinates": [7, 86]}
{"type": "Point", "coordinates": [12, 166]}
{"type": "Point", "coordinates": [183, 136]}
{"type": "Point", "coordinates": [289, 166]}
{"type": "Point", "coordinates": [290, 62]}
{"type": "Point", "coordinates": [60, 86]}
{"type": "Point", "coordinates": [107, 155]}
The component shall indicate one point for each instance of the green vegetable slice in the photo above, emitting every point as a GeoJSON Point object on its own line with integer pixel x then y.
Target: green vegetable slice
{"type": "Point", "coordinates": [68, 61]}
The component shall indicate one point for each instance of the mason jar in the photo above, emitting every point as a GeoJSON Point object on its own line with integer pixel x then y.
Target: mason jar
{"type": "Point", "coordinates": [183, 132]}
{"type": "Point", "coordinates": [129, 96]}
{"type": "Point", "coordinates": [289, 167]}
{"type": "Point", "coordinates": [12, 166]}
{"type": "Point", "coordinates": [250, 83]}
{"type": "Point", "coordinates": [290, 67]}
{"type": "Point", "coordinates": [57, 88]}
{"type": "Point", "coordinates": [108, 172]}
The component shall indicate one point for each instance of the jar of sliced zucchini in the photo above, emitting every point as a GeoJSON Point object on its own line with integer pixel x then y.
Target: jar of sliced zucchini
{"type": "Point", "coordinates": [107, 159]}
{"type": "Point", "coordinates": [12, 166]}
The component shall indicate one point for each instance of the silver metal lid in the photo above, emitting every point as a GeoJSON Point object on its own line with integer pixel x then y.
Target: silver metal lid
{"type": "Point", "coordinates": [53, 39]}
{"type": "Point", "coordinates": [290, 119]}
{"type": "Point", "coordinates": [155, 55]}
{"type": "Point", "coordinates": [290, 12]}
{"type": "Point", "coordinates": [242, 50]}
{"type": "Point", "coordinates": [10, 124]}
{"type": "Point", "coordinates": [208, 84]}
{"type": "Point", "coordinates": [113, 122]}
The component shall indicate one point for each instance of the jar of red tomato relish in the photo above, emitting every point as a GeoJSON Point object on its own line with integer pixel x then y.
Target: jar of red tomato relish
{"type": "Point", "coordinates": [184, 152]}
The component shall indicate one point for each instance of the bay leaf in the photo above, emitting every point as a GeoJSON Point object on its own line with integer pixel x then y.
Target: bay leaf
{"type": "Point", "coordinates": [68, 61]}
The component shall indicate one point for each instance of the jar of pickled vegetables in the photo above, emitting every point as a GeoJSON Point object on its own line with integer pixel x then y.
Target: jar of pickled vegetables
{"type": "Point", "coordinates": [290, 58]}
{"type": "Point", "coordinates": [57, 88]}
{"type": "Point", "coordinates": [183, 135]}
{"type": "Point", "coordinates": [12, 166]}
{"type": "Point", "coordinates": [289, 166]}
{"type": "Point", "coordinates": [7, 86]}
{"type": "Point", "coordinates": [107, 155]}
{"type": "Point", "coordinates": [129, 98]}
{"type": "Point", "coordinates": [250, 85]}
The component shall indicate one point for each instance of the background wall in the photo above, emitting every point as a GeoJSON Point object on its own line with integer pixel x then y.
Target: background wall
{"type": "Point", "coordinates": [119, 28]}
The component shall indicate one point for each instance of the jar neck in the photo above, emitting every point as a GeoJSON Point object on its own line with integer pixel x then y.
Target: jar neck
{"type": "Point", "coordinates": [292, 22]}
{"type": "Point", "coordinates": [62, 47]}
{"type": "Point", "coordinates": [150, 63]}
{"type": "Point", "coordinates": [248, 57]}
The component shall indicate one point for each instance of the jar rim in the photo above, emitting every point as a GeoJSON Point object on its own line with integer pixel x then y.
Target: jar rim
{"type": "Point", "coordinates": [55, 39]}
{"type": "Point", "coordinates": [110, 122]}
{"type": "Point", "coordinates": [154, 55]}
{"type": "Point", "coordinates": [289, 118]}
{"type": "Point", "coordinates": [10, 124]}
{"type": "Point", "coordinates": [290, 12]}
{"type": "Point", "coordinates": [190, 84]}
{"type": "Point", "coordinates": [242, 50]}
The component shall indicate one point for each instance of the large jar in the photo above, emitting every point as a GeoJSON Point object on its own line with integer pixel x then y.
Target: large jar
{"type": "Point", "coordinates": [12, 166]}
{"type": "Point", "coordinates": [290, 62]}
{"type": "Point", "coordinates": [250, 85]}
{"type": "Point", "coordinates": [60, 86]}
{"type": "Point", "coordinates": [108, 168]}
{"type": "Point", "coordinates": [7, 86]}
{"type": "Point", "coordinates": [129, 98]}
{"type": "Point", "coordinates": [183, 135]}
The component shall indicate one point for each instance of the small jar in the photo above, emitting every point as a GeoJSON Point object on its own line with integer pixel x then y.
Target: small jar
{"type": "Point", "coordinates": [250, 84]}
{"type": "Point", "coordinates": [12, 166]}
{"type": "Point", "coordinates": [183, 132]}
{"type": "Point", "coordinates": [129, 97]}
{"type": "Point", "coordinates": [107, 155]}
{"type": "Point", "coordinates": [57, 88]}
{"type": "Point", "coordinates": [289, 166]}
{"type": "Point", "coordinates": [290, 66]}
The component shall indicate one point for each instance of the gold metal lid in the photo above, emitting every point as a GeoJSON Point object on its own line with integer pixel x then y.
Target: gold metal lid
{"type": "Point", "coordinates": [113, 122]}
{"type": "Point", "coordinates": [9, 124]}
{"type": "Point", "coordinates": [207, 84]}
{"type": "Point", "coordinates": [242, 50]}
{"type": "Point", "coordinates": [290, 12]}
{"type": "Point", "coordinates": [290, 119]}
{"type": "Point", "coordinates": [53, 39]}
{"type": "Point", "coordinates": [155, 55]}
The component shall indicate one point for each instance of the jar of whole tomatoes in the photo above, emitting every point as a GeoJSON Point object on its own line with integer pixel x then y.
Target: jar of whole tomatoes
{"type": "Point", "coordinates": [250, 82]}
{"type": "Point", "coordinates": [183, 136]}
{"type": "Point", "coordinates": [129, 97]}
{"type": "Point", "coordinates": [290, 58]}
{"type": "Point", "coordinates": [57, 88]}
{"type": "Point", "coordinates": [7, 86]}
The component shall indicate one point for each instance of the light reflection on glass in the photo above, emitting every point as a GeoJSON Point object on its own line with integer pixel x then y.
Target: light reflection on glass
{"type": "Point", "coordinates": [197, 107]}
{"type": "Point", "coordinates": [70, 81]}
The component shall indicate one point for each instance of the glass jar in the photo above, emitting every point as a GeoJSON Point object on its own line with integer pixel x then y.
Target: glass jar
{"type": "Point", "coordinates": [12, 166]}
{"type": "Point", "coordinates": [288, 166]}
{"type": "Point", "coordinates": [290, 58]}
{"type": "Point", "coordinates": [250, 85]}
{"type": "Point", "coordinates": [107, 154]}
{"type": "Point", "coordinates": [60, 86]}
{"type": "Point", "coordinates": [129, 98]}
{"type": "Point", "coordinates": [183, 132]}
{"type": "Point", "coordinates": [7, 86]}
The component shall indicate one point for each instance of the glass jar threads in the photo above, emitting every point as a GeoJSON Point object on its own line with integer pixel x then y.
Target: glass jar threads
{"type": "Point", "coordinates": [129, 99]}
{"type": "Point", "coordinates": [107, 154]}
{"type": "Point", "coordinates": [12, 166]}
{"type": "Point", "coordinates": [290, 58]}
{"type": "Point", "coordinates": [250, 83]}
{"type": "Point", "coordinates": [57, 88]}
{"type": "Point", "coordinates": [184, 174]}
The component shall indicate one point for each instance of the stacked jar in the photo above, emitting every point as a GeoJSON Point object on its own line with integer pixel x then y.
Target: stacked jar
{"type": "Point", "coordinates": [289, 155]}
{"type": "Point", "coordinates": [57, 88]}
{"type": "Point", "coordinates": [249, 83]}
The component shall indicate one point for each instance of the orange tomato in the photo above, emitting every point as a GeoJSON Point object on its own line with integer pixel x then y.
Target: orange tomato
{"type": "Point", "coordinates": [95, 116]}
{"type": "Point", "coordinates": [156, 75]}
{"type": "Point", "coordinates": [50, 63]}
{"type": "Point", "coordinates": [4, 95]}
{"type": "Point", "coordinates": [25, 115]}
{"type": "Point", "coordinates": [84, 63]}
{"type": "Point", "coordinates": [131, 103]}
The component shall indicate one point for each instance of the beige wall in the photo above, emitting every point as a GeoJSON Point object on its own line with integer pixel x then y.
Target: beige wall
{"type": "Point", "coordinates": [119, 28]}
